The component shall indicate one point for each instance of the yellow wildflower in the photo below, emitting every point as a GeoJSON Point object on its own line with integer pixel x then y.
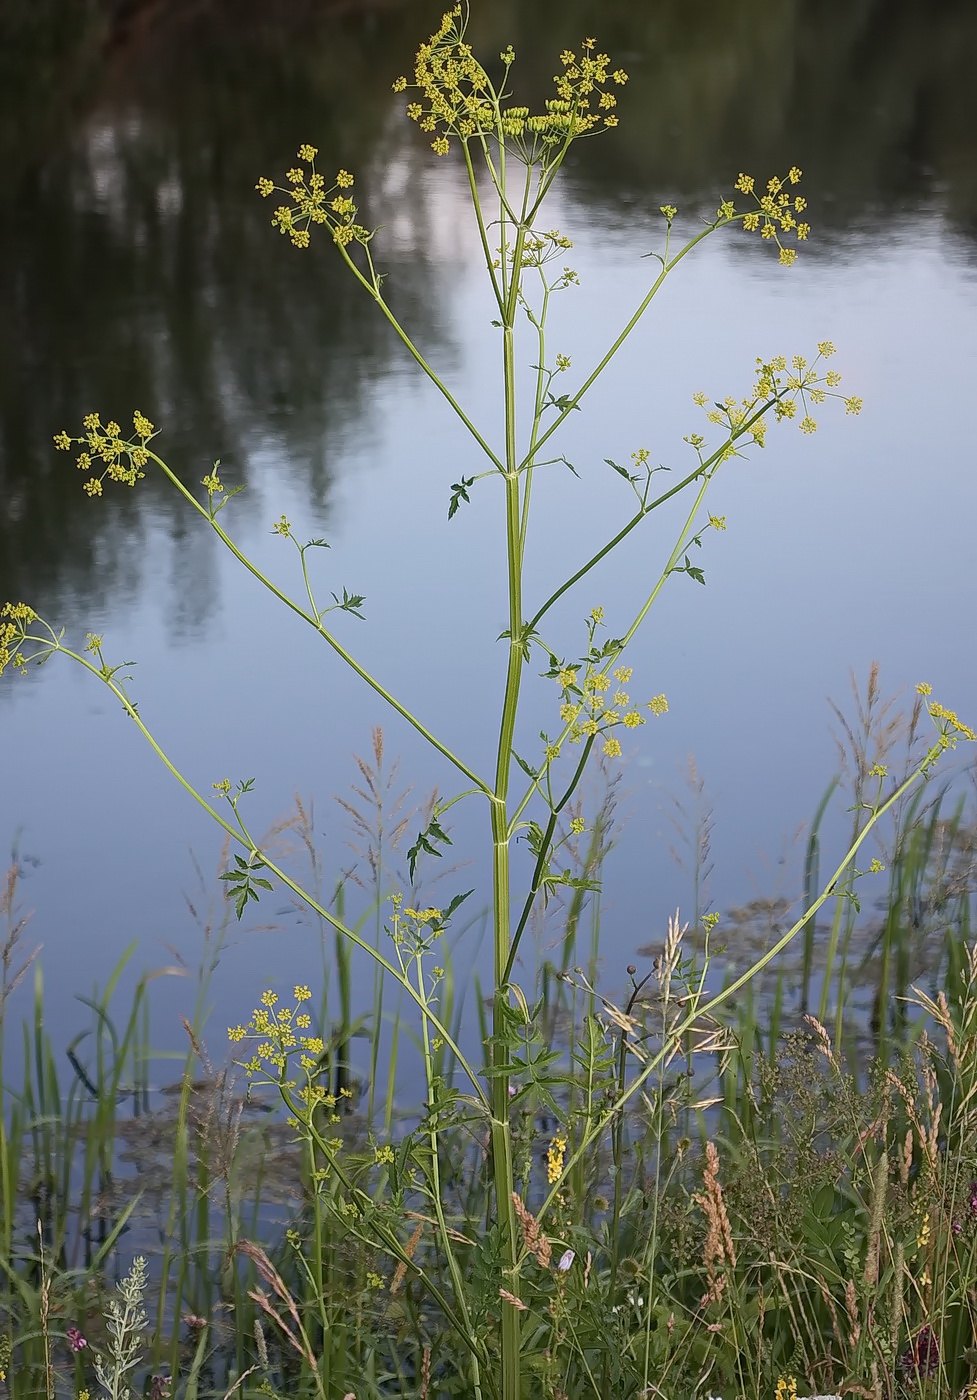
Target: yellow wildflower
{"type": "Point", "coordinates": [554, 1158]}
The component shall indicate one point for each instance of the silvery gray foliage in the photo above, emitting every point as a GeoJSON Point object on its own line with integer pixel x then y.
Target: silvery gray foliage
{"type": "Point", "coordinates": [125, 1323]}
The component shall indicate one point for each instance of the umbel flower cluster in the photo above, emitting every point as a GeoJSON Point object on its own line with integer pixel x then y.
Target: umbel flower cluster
{"type": "Point", "coordinates": [787, 388]}
{"type": "Point", "coordinates": [775, 211]}
{"type": "Point", "coordinates": [312, 203]}
{"type": "Point", "coordinates": [950, 726]}
{"type": "Point", "coordinates": [594, 701]}
{"type": "Point", "coordinates": [18, 617]}
{"type": "Point", "coordinates": [121, 459]}
{"type": "Point", "coordinates": [457, 97]}
{"type": "Point", "coordinates": [282, 1033]}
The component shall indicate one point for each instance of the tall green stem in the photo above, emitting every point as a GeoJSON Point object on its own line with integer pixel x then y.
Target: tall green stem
{"type": "Point", "coordinates": [502, 1163]}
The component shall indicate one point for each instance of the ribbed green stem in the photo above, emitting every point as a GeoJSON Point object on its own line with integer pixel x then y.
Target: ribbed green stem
{"type": "Point", "coordinates": [502, 1163]}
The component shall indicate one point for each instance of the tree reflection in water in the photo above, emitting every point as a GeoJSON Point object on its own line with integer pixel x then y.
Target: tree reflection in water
{"type": "Point", "coordinates": [141, 271]}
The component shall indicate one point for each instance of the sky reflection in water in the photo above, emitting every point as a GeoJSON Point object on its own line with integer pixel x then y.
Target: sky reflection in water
{"type": "Point", "coordinates": [153, 281]}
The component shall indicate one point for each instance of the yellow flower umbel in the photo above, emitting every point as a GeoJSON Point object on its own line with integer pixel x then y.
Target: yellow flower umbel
{"type": "Point", "coordinates": [122, 458]}
{"type": "Point", "coordinates": [312, 203]}
{"type": "Point", "coordinates": [780, 389]}
{"type": "Point", "coordinates": [775, 212]}
{"type": "Point", "coordinates": [280, 1036]}
{"type": "Point", "coordinates": [590, 709]}
{"type": "Point", "coordinates": [950, 727]}
{"type": "Point", "coordinates": [458, 99]}
{"type": "Point", "coordinates": [15, 618]}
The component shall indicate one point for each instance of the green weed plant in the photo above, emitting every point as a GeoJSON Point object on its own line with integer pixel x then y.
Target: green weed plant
{"type": "Point", "coordinates": [535, 1232]}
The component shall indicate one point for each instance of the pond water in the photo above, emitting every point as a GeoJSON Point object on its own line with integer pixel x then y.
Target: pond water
{"type": "Point", "coordinates": [141, 272]}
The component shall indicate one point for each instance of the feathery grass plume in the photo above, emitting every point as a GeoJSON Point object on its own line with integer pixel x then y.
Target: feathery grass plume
{"type": "Point", "coordinates": [927, 1134]}
{"type": "Point", "coordinates": [880, 724]}
{"type": "Point", "coordinates": [214, 1114]}
{"type": "Point", "coordinates": [824, 1042]}
{"type": "Point", "coordinates": [906, 1159]}
{"type": "Point", "coordinates": [45, 1313]}
{"type": "Point", "coordinates": [718, 1252]}
{"type": "Point", "coordinates": [400, 1273]}
{"type": "Point", "coordinates": [693, 820]}
{"type": "Point", "coordinates": [944, 1020]}
{"type": "Point", "coordinates": [880, 1183]}
{"type": "Point", "coordinates": [896, 1297]}
{"type": "Point", "coordinates": [535, 1241]}
{"type": "Point", "coordinates": [671, 949]}
{"type": "Point", "coordinates": [297, 1338]}
{"type": "Point", "coordinates": [380, 823]}
{"type": "Point", "coordinates": [260, 1343]}
{"type": "Point", "coordinates": [828, 1302]}
{"type": "Point", "coordinates": [13, 966]}
{"type": "Point", "coordinates": [851, 1308]}
{"type": "Point", "coordinates": [517, 1303]}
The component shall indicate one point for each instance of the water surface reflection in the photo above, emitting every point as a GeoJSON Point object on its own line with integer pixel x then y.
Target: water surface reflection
{"type": "Point", "coordinates": [141, 271]}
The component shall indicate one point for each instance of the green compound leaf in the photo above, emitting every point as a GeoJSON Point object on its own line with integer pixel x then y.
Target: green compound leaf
{"type": "Point", "coordinates": [564, 402]}
{"type": "Point", "coordinates": [243, 884]}
{"type": "Point", "coordinates": [693, 572]}
{"type": "Point", "coordinates": [459, 493]}
{"type": "Point", "coordinates": [432, 833]}
{"type": "Point", "coordinates": [351, 603]}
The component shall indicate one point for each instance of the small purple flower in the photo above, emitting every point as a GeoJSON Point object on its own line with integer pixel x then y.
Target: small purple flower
{"type": "Point", "coordinates": [972, 1198]}
{"type": "Point", "coordinates": [922, 1356]}
{"type": "Point", "coordinates": [76, 1340]}
{"type": "Point", "coordinates": [159, 1387]}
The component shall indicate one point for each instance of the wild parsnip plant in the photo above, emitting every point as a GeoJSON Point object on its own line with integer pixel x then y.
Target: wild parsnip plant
{"type": "Point", "coordinates": [513, 1271]}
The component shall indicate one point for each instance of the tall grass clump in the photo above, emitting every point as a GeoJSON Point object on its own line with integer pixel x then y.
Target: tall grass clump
{"type": "Point", "coordinates": [511, 1241]}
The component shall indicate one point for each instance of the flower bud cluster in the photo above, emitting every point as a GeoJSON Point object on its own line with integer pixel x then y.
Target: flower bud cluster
{"type": "Point", "coordinates": [459, 100]}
